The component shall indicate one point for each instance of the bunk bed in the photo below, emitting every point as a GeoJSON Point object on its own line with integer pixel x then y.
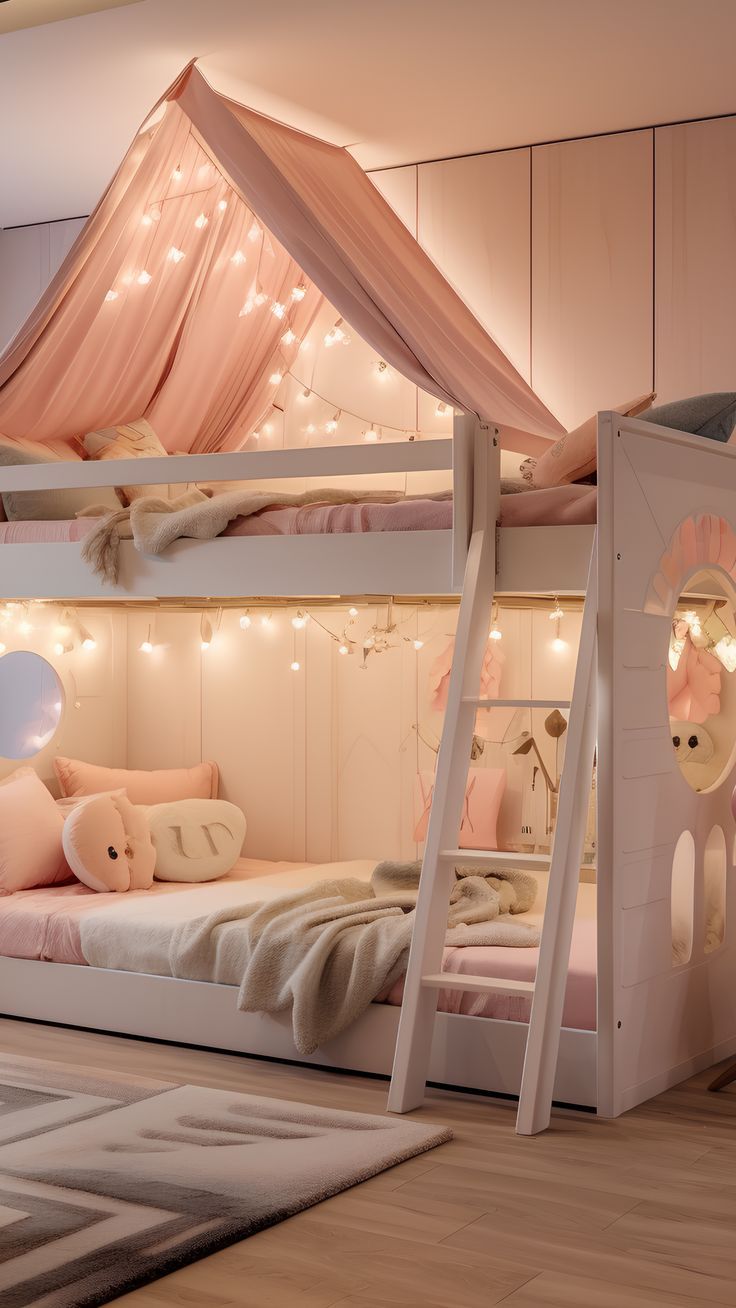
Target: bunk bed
{"type": "Point", "coordinates": [655, 1023]}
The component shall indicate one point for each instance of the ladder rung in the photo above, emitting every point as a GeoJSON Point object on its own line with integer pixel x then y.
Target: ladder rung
{"type": "Point", "coordinates": [517, 703]}
{"type": "Point", "coordinates": [494, 858]}
{"type": "Point", "coordinates": [492, 984]}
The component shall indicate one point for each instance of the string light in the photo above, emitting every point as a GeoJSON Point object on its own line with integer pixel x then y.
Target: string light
{"type": "Point", "coordinates": [278, 309]}
{"type": "Point", "coordinates": [222, 205]}
{"type": "Point", "coordinates": [494, 633]}
{"type": "Point", "coordinates": [276, 377]}
{"type": "Point", "coordinates": [144, 278]}
{"type": "Point", "coordinates": [205, 631]}
{"type": "Point", "coordinates": [260, 298]}
{"type": "Point", "coordinates": [245, 621]}
{"type": "Point", "coordinates": [63, 647]}
{"type": "Point", "coordinates": [306, 394]}
{"type": "Point", "coordinates": [331, 425]}
{"type": "Point", "coordinates": [343, 649]}
{"type": "Point", "coordinates": [335, 334]}
{"type": "Point", "coordinates": [557, 612]}
{"type": "Point", "coordinates": [248, 307]}
{"type": "Point", "coordinates": [146, 646]}
{"type": "Point", "coordinates": [372, 435]}
{"type": "Point", "coordinates": [266, 620]}
{"type": "Point", "coordinates": [382, 370]}
{"type": "Point", "coordinates": [353, 612]}
{"type": "Point", "coordinates": [418, 644]}
{"type": "Point", "coordinates": [111, 295]}
{"type": "Point", "coordinates": [298, 292]}
{"type": "Point", "coordinates": [146, 220]}
{"type": "Point", "coordinates": [441, 409]}
{"type": "Point", "coordinates": [87, 639]}
{"type": "Point", "coordinates": [254, 233]}
{"type": "Point", "coordinates": [238, 258]}
{"type": "Point", "coordinates": [25, 627]}
{"type": "Point", "coordinates": [175, 255]}
{"type": "Point", "coordinates": [289, 336]}
{"type": "Point", "coordinates": [177, 174]}
{"type": "Point", "coordinates": [300, 621]}
{"type": "Point", "coordinates": [295, 666]}
{"type": "Point", "coordinates": [558, 643]}
{"type": "Point", "coordinates": [201, 221]}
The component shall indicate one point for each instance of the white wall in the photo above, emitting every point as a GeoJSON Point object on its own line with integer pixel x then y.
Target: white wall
{"type": "Point", "coordinates": [29, 257]}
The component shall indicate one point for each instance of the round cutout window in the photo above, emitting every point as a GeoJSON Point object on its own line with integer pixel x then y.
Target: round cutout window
{"type": "Point", "coordinates": [701, 679]}
{"type": "Point", "coordinates": [31, 704]}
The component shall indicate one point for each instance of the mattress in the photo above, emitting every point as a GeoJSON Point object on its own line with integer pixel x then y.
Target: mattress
{"type": "Point", "coordinates": [71, 924]}
{"type": "Point", "coordinates": [557, 506]}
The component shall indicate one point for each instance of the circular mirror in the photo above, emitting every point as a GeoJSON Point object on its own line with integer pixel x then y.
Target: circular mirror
{"type": "Point", "coordinates": [701, 679]}
{"type": "Point", "coordinates": [31, 704]}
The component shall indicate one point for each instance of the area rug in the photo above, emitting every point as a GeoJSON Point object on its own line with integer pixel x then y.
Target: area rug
{"type": "Point", "coordinates": [108, 1181]}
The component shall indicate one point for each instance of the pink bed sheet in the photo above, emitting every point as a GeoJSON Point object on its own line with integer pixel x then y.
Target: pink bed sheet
{"type": "Point", "coordinates": [45, 533]}
{"type": "Point", "coordinates": [46, 925]}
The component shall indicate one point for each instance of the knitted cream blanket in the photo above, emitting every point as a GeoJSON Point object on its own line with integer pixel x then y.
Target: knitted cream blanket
{"type": "Point", "coordinates": [327, 951]}
{"type": "Point", "coordinates": [152, 524]}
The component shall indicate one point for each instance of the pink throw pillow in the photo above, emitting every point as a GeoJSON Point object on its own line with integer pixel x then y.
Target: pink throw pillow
{"type": "Point", "coordinates": [575, 454]}
{"type": "Point", "coordinates": [31, 828]}
{"type": "Point", "coordinates": [160, 787]}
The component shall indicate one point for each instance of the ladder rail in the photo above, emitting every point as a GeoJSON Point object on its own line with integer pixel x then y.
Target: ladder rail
{"type": "Point", "coordinates": [545, 1023]}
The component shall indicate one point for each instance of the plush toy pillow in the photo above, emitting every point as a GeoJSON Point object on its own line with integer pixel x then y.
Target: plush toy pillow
{"type": "Point", "coordinates": [31, 829]}
{"type": "Point", "coordinates": [159, 787]}
{"type": "Point", "coordinates": [575, 455]}
{"type": "Point", "coordinates": [195, 839]}
{"type": "Point", "coordinates": [108, 845]}
{"type": "Point", "coordinates": [67, 805]}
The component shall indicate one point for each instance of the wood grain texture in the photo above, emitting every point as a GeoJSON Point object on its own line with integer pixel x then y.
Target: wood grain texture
{"type": "Point", "coordinates": [638, 1211]}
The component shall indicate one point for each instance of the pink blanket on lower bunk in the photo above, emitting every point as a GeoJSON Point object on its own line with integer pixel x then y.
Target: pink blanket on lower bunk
{"type": "Point", "coordinates": [557, 506]}
{"type": "Point", "coordinates": [47, 925]}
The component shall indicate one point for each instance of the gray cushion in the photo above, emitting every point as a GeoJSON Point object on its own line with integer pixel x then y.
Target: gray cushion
{"type": "Point", "coordinates": [32, 506]}
{"type": "Point", "coordinates": [703, 415]}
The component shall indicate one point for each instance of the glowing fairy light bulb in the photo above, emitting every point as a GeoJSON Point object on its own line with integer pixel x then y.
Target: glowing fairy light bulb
{"type": "Point", "coordinates": [343, 649]}
{"type": "Point", "coordinates": [256, 434]}
{"type": "Point", "coordinates": [260, 299]}
{"type": "Point", "coordinates": [238, 258]}
{"type": "Point", "coordinates": [418, 644]}
{"type": "Point", "coordinates": [111, 295]}
{"type": "Point", "coordinates": [382, 370]}
{"type": "Point", "coordinates": [204, 645]}
{"type": "Point", "coordinates": [88, 641]}
{"type": "Point", "coordinates": [295, 666]}
{"type": "Point", "coordinates": [254, 233]}
{"type": "Point", "coordinates": [331, 426]}
{"type": "Point", "coordinates": [278, 310]}
{"type": "Point", "coordinates": [144, 278]}
{"type": "Point", "coordinates": [177, 174]}
{"type": "Point", "coordinates": [495, 634]}
{"type": "Point", "coordinates": [222, 205]}
{"type": "Point", "coordinates": [557, 612]}
{"type": "Point", "coordinates": [299, 621]}
{"type": "Point", "coordinates": [245, 621]}
{"type": "Point", "coordinates": [248, 307]}
{"type": "Point", "coordinates": [201, 221]}
{"type": "Point", "coordinates": [335, 334]}
{"type": "Point", "coordinates": [25, 627]}
{"type": "Point", "coordinates": [352, 612]}
{"type": "Point", "coordinates": [289, 336]}
{"type": "Point", "coordinates": [441, 409]}
{"type": "Point", "coordinates": [175, 255]}
{"type": "Point", "coordinates": [298, 292]}
{"type": "Point", "coordinates": [266, 620]}
{"type": "Point", "coordinates": [276, 377]}
{"type": "Point", "coordinates": [372, 435]}
{"type": "Point", "coordinates": [306, 394]}
{"type": "Point", "coordinates": [62, 647]}
{"type": "Point", "coordinates": [559, 644]}
{"type": "Point", "coordinates": [146, 220]}
{"type": "Point", "coordinates": [146, 647]}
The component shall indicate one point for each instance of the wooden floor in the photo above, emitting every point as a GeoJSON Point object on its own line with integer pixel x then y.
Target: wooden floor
{"type": "Point", "coordinates": [626, 1214]}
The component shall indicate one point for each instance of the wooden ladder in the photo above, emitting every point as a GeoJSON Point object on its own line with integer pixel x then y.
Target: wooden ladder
{"type": "Point", "coordinates": [424, 976]}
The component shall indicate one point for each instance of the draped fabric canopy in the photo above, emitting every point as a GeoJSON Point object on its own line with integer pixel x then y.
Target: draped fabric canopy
{"type": "Point", "coordinates": [188, 290]}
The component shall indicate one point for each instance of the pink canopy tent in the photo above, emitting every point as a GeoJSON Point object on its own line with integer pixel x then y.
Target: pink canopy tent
{"type": "Point", "coordinates": [186, 293]}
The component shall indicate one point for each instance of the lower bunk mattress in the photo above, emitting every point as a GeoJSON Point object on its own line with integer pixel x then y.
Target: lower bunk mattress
{"type": "Point", "coordinates": [556, 506]}
{"type": "Point", "coordinates": [132, 933]}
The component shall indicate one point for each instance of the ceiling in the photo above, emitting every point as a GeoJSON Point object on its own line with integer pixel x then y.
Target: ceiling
{"type": "Point", "coordinates": [34, 13]}
{"type": "Point", "coordinates": [397, 82]}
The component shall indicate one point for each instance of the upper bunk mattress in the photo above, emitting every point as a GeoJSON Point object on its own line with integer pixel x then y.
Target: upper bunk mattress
{"type": "Point", "coordinates": [557, 506]}
{"type": "Point", "coordinates": [132, 933]}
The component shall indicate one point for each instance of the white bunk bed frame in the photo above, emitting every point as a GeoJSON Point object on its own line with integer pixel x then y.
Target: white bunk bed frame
{"type": "Point", "coordinates": [657, 1023]}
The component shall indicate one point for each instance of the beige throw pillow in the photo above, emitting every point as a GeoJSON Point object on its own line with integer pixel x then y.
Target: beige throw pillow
{"type": "Point", "coordinates": [574, 455]}
{"type": "Point", "coordinates": [130, 440]}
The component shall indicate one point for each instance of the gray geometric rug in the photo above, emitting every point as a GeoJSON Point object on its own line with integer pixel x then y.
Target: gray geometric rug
{"type": "Point", "coordinates": [109, 1181]}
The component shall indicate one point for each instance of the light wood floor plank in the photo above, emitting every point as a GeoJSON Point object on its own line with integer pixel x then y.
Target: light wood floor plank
{"type": "Point", "coordinates": [635, 1213]}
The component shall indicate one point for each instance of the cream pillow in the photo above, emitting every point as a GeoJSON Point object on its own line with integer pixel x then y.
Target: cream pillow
{"type": "Point", "coordinates": [195, 839]}
{"type": "Point", "coordinates": [574, 455]}
{"type": "Point", "coordinates": [130, 440]}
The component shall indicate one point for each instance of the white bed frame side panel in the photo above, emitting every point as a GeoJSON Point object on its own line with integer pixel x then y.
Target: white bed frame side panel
{"type": "Point", "coordinates": [468, 1052]}
{"type": "Point", "coordinates": [657, 1022]}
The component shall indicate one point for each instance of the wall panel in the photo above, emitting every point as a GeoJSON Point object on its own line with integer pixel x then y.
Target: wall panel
{"type": "Point", "coordinates": [695, 258]}
{"type": "Point", "coordinates": [592, 273]}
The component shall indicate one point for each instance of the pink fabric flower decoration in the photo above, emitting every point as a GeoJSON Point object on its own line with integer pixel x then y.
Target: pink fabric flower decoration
{"type": "Point", "coordinates": [694, 686]}
{"type": "Point", "coordinates": [490, 677]}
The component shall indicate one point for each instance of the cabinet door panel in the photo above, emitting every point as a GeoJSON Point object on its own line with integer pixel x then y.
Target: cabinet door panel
{"type": "Point", "coordinates": [592, 273]}
{"type": "Point", "coordinates": [695, 253]}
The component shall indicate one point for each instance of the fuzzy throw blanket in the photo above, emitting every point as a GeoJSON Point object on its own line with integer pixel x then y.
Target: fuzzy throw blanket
{"type": "Point", "coordinates": [152, 524]}
{"type": "Point", "coordinates": [327, 951]}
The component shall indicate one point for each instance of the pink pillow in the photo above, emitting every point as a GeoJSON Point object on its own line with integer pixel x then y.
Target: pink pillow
{"type": "Point", "coordinates": [109, 846]}
{"type": "Point", "coordinates": [483, 794]}
{"type": "Point", "coordinates": [31, 827]}
{"type": "Point", "coordinates": [575, 454]}
{"type": "Point", "coordinates": [160, 787]}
